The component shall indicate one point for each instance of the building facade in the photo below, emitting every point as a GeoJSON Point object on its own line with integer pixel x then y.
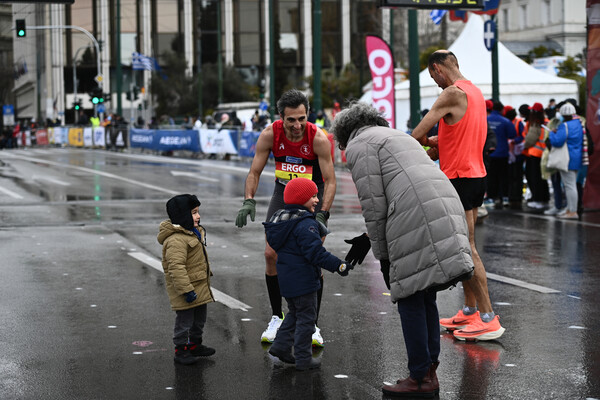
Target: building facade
{"type": "Point", "coordinates": [555, 24]}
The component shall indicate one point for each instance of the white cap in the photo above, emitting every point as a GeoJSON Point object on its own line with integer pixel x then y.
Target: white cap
{"type": "Point", "coordinates": [567, 109]}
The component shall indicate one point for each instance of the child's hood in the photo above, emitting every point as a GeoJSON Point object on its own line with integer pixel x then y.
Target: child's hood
{"type": "Point", "coordinates": [166, 229]}
{"type": "Point", "coordinates": [282, 224]}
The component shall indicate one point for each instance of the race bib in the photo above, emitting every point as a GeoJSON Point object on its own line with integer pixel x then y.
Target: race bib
{"type": "Point", "coordinates": [288, 171]}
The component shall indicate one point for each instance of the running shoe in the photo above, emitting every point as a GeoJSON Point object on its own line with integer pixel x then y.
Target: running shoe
{"type": "Point", "coordinates": [459, 321]}
{"type": "Point", "coordinates": [317, 339]}
{"type": "Point", "coordinates": [268, 336]}
{"type": "Point", "coordinates": [480, 330]}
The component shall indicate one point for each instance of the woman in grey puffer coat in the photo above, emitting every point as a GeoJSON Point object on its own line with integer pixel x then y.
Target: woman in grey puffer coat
{"type": "Point", "coordinates": [417, 228]}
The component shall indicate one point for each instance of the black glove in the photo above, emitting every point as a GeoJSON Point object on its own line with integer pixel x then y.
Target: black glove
{"type": "Point", "coordinates": [360, 247]}
{"type": "Point", "coordinates": [385, 271]}
{"type": "Point", "coordinates": [190, 296]}
{"type": "Point", "coordinates": [343, 269]}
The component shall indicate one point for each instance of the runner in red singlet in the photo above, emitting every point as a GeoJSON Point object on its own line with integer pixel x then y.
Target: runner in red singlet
{"type": "Point", "coordinates": [460, 110]}
{"type": "Point", "coordinates": [301, 149]}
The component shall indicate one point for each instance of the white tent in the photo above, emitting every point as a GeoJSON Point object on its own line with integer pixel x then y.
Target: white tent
{"type": "Point", "coordinates": [520, 83]}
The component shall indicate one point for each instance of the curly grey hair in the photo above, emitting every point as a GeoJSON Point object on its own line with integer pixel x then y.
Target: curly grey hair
{"type": "Point", "coordinates": [355, 116]}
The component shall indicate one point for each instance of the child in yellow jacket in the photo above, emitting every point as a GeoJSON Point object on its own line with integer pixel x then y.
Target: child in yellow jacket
{"type": "Point", "coordinates": [187, 276]}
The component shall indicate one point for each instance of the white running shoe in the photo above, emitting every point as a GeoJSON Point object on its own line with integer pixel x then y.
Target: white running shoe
{"type": "Point", "coordinates": [317, 339]}
{"type": "Point", "coordinates": [268, 336]}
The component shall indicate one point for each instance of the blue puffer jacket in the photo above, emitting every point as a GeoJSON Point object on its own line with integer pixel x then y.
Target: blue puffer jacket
{"type": "Point", "coordinates": [294, 234]}
{"type": "Point", "coordinates": [574, 141]}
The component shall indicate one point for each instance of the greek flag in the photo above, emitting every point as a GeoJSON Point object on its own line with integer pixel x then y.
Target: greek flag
{"type": "Point", "coordinates": [437, 15]}
{"type": "Point", "coordinates": [142, 62]}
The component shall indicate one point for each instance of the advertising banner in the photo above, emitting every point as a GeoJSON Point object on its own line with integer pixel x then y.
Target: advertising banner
{"type": "Point", "coordinates": [76, 137]}
{"type": "Point", "coordinates": [591, 196]}
{"type": "Point", "coordinates": [248, 144]}
{"type": "Point", "coordinates": [177, 140]}
{"type": "Point", "coordinates": [100, 136]}
{"type": "Point", "coordinates": [213, 141]}
{"type": "Point", "coordinates": [381, 62]}
{"type": "Point", "coordinates": [87, 137]}
{"type": "Point", "coordinates": [41, 137]}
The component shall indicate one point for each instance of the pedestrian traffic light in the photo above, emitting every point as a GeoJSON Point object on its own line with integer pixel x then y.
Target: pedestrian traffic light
{"type": "Point", "coordinates": [77, 104]}
{"type": "Point", "coordinates": [21, 31]}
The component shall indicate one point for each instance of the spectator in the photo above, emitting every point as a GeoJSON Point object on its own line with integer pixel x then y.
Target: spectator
{"type": "Point", "coordinates": [497, 180]}
{"type": "Point", "coordinates": [534, 147]}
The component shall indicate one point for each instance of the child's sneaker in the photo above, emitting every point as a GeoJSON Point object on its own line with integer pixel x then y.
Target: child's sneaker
{"type": "Point", "coordinates": [184, 356]}
{"type": "Point", "coordinates": [480, 330]}
{"type": "Point", "coordinates": [317, 339]}
{"type": "Point", "coordinates": [459, 321]}
{"type": "Point", "coordinates": [269, 334]}
{"type": "Point", "coordinates": [200, 350]}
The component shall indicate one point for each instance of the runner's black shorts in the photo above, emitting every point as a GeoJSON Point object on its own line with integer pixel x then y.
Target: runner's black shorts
{"type": "Point", "coordinates": [277, 203]}
{"type": "Point", "coordinates": [470, 191]}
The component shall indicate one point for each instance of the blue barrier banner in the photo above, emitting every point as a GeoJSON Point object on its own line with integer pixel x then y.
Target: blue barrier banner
{"type": "Point", "coordinates": [177, 140]}
{"type": "Point", "coordinates": [143, 138]}
{"type": "Point", "coordinates": [248, 144]}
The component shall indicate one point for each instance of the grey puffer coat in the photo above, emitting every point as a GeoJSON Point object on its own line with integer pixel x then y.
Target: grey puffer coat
{"type": "Point", "coordinates": [414, 216]}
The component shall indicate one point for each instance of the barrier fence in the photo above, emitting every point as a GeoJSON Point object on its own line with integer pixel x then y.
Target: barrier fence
{"type": "Point", "coordinates": [207, 141]}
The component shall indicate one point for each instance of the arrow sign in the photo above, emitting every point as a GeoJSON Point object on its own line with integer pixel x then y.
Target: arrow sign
{"type": "Point", "coordinates": [489, 34]}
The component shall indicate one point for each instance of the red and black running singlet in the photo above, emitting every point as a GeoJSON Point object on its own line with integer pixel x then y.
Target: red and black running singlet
{"type": "Point", "coordinates": [295, 159]}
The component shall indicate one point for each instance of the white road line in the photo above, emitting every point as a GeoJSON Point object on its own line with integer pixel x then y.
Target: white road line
{"type": "Point", "coordinates": [50, 179]}
{"type": "Point", "coordinates": [221, 297]}
{"type": "Point", "coordinates": [10, 193]}
{"type": "Point", "coordinates": [96, 172]}
{"type": "Point", "coordinates": [516, 282]}
{"type": "Point", "coordinates": [194, 175]}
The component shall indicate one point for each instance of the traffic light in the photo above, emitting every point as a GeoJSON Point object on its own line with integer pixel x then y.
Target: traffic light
{"type": "Point", "coordinates": [96, 96]}
{"type": "Point", "coordinates": [21, 31]}
{"type": "Point", "coordinates": [77, 104]}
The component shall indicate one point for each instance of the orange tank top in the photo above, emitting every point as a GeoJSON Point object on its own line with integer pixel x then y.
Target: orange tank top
{"type": "Point", "coordinates": [461, 144]}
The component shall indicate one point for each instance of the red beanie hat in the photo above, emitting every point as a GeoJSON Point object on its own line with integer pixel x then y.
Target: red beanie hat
{"type": "Point", "coordinates": [299, 191]}
{"type": "Point", "coordinates": [489, 104]}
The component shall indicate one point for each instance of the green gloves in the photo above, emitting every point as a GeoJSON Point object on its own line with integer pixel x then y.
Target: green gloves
{"type": "Point", "coordinates": [322, 217]}
{"type": "Point", "coordinates": [248, 207]}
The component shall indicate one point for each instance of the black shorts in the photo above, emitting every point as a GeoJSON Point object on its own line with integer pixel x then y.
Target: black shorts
{"type": "Point", "coordinates": [470, 191]}
{"type": "Point", "coordinates": [277, 203]}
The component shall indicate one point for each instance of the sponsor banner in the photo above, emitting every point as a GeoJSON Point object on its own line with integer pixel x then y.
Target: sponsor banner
{"type": "Point", "coordinates": [248, 144]}
{"type": "Point", "coordinates": [100, 136]}
{"type": "Point", "coordinates": [26, 138]}
{"type": "Point", "coordinates": [176, 140]}
{"type": "Point", "coordinates": [381, 63]}
{"type": "Point", "coordinates": [591, 195]}
{"type": "Point", "coordinates": [87, 137]}
{"type": "Point", "coordinates": [218, 141]}
{"type": "Point", "coordinates": [142, 138]}
{"type": "Point", "coordinates": [75, 137]}
{"type": "Point", "coordinates": [58, 135]}
{"type": "Point", "coordinates": [41, 137]}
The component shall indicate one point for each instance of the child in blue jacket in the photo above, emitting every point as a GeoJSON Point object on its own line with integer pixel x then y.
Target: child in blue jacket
{"type": "Point", "coordinates": [294, 233]}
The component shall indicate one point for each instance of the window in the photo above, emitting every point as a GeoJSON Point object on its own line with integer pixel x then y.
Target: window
{"type": "Point", "coordinates": [523, 16]}
{"type": "Point", "coordinates": [331, 33]}
{"type": "Point", "coordinates": [505, 20]}
{"type": "Point", "coordinates": [248, 30]}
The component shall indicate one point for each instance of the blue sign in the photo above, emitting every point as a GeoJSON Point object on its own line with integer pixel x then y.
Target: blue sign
{"type": "Point", "coordinates": [100, 108]}
{"type": "Point", "coordinates": [489, 34]}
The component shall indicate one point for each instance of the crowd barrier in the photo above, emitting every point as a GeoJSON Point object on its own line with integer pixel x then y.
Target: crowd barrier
{"type": "Point", "coordinates": [207, 141]}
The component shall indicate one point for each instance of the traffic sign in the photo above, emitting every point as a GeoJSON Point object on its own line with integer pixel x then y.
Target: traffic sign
{"type": "Point", "coordinates": [489, 34]}
{"type": "Point", "coordinates": [100, 108]}
{"type": "Point", "coordinates": [98, 78]}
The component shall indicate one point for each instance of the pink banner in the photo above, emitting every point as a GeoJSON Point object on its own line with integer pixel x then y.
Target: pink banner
{"type": "Point", "coordinates": [381, 62]}
{"type": "Point", "coordinates": [591, 196]}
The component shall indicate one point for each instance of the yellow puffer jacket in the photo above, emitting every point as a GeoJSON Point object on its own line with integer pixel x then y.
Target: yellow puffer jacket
{"type": "Point", "coordinates": [185, 264]}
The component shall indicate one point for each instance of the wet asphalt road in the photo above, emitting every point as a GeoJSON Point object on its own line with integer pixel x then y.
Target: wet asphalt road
{"type": "Point", "coordinates": [84, 313]}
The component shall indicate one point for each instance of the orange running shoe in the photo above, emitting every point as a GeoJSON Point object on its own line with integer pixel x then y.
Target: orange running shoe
{"type": "Point", "coordinates": [480, 330]}
{"type": "Point", "coordinates": [459, 321]}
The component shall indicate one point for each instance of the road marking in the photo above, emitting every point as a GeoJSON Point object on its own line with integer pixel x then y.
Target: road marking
{"type": "Point", "coordinates": [96, 172]}
{"type": "Point", "coordinates": [10, 193]}
{"type": "Point", "coordinates": [194, 175]}
{"type": "Point", "coordinates": [221, 297]}
{"type": "Point", "coordinates": [50, 179]}
{"type": "Point", "coordinates": [516, 282]}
